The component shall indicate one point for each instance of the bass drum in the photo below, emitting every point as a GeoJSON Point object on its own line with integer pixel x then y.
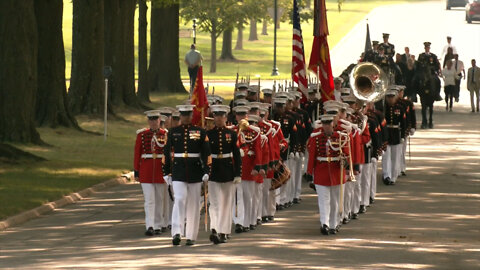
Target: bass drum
{"type": "Point", "coordinates": [280, 176]}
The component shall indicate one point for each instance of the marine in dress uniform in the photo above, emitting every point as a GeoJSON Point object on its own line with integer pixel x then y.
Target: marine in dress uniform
{"type": "Point", "coordinates": [396, 119]}
{"type": "Point", "coordinates": [147, 164]}
{"type": "Point", "coordinates": [430, 65]}
{"type": "Point", "coordinates": [371, 54]}
{"type": "Point", "coordinates": [411, 124]}
{"type": "Point", "coordinates": [328, 175]}
{"type": "Point", "coordinates": [387, 46]}
{"type": "Point", "coordinates": [314, 106]}
{"type": "Point", "coordinates": [225, 174]}
{"type": "Point", "coordinates": [187, 156]}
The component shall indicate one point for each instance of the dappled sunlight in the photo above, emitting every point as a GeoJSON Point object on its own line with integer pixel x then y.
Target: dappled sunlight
{"type": "Point", "coordinates": [79, 171]}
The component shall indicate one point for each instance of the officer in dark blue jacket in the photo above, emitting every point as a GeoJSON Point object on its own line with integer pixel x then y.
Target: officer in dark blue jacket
{"type": "Point", "coordinates": [187, 156]}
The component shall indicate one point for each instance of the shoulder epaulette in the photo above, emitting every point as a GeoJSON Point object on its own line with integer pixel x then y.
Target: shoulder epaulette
{"type": "Point", "coordinates": [141, 130]}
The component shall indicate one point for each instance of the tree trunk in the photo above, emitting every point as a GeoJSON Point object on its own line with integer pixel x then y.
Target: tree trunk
{"type": "Point", "coordinates": [264, 27]}
{"type": "Point", "coordinates": [119, 51]}
{"type": "Point", "coordinates": [253, 30]}
{"type": "Point", "coordinates": [239, 45]}
{"type": "Point", "coordinates": [86, 94]}
{"type": "Point", "coordinates": [227, 45]}
{"type": "Point", "coordinates": [18, 71]}
{"type": "Point", "coordinates": [164, 69]}
{"type": "Point", "coordinates": [213, 48]}
{"type": "Point", "coordinates": [142, 92]}
{"type": "Point", "coordinates": [51, 108]}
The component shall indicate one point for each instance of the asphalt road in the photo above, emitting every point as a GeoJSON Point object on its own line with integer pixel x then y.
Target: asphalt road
{"type": "Point", "coordinates": [429, 220]}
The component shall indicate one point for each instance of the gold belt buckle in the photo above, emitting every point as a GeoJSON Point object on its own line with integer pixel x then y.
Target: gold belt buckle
{"type": "Point", "coordinates": [185, 155]}
{"type": "Point", "coordinates": [154, 155]}
{"type": "Point", "coordinates": [329, 159]}
{"type": "Point", "coordinates": [220, 155]}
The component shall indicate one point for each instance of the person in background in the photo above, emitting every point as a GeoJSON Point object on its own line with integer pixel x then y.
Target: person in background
{"type": "Point", "coordinates": [460, 71]}
{"type": "Point", "coordinates": [449, 76]}
{"type": "Point", "coordinates": [193, 59]}
{"type": "Point", "coordinates": [473, 84]}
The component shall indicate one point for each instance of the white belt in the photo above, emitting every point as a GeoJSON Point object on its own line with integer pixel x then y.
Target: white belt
{"type": "Point", "coordinates": [328, 159]}
{"type": "Point", "coordinates": [227, 155]}
{"type": "Point", "coordinates": [250, 153]}
{"type": "Point", "coordinates": [393, 126]}
{"type": "Point", "coordinates": [152, 155]}
{"type": "Point", "coordinates": [186, 155]}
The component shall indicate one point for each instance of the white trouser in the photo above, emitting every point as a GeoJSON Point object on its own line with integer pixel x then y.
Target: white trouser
{"type": "Point", "coordinates": [391, 162]}
{"type": "Point", "coordinates": [347, 198]}
{"type": "Point", "coordinates": [278, 196]}
{"type": "Point", "coordinates": [259, 200]}
{"type": "Point", "coordinates": [249, 203]}
{"type": "Point", "coordinates": [373, 177]}
{"type": "Point", "coordinates": [403, 164]}
{"type": "Point", "coordinates": [356, 194]}
{"type": "Point", "coordinates": [268, 205]}
{"type": "Point", "coordinates": [328, 199]}
{"type": "Point", "coordinates": [220, 196]}
{"type": "Point", "coordinates": [290, 185]}
{"type": "Point", "coordinates": [365, 178]}
{"type": "Point", "coordinates": [186, 209]}
{"type": "Point", "coordinates": [297, 189]}
{"type": "Point", "coordinates": [154, 206]}
{"type": "Point", "coordinates": [238, 207]}
{"type": "Point", "coordinates": [168, 206]}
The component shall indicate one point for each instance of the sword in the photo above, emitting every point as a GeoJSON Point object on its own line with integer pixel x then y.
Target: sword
{"type": "Point", "coordinates": [206, 204]}
{"type": "Point", "coordinates": [409, 152]}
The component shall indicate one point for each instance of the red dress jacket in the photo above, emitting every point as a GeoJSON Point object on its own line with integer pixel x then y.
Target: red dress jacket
{"type": "Point", "coordinates": [148, 156]}
{"type": "Point", "coordinates": [321, 146]}
{"type": "Point", "coordinates": [250, 145]}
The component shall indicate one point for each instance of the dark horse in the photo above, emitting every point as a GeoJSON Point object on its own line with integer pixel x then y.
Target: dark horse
{"type": "Point", "coordinates": [427, 86]}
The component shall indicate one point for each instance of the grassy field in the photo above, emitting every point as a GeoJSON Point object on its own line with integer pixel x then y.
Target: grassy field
{"type": "Point", "coordinates": [257, 56]}
{"type": "Point", "coordinates": [77, 160]}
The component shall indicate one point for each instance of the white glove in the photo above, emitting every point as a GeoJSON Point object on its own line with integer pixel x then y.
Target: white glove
{"type": "Point", "coordinates": [291, 156]}
{"type": "Point", "coordinates": [237, 180]}
{"type": "Point", "coordinates": [297, 155]}
{"type": "Point", "coordinates": [205, 177]}
{"type": "Point", "coordinates": [347, 126]}
{"type": "Point", "coordinates": [302, 155]}
{"type": "Point", "coordinates": [402, 140]}
{"type": "Point", "coordinates": [254, 172]}
{"type": "Point", "coordinates": [374, 159]}
{"type": "Point", "coordinates": [242, 153]}
{"type": "Point", "coordinates": [412, 131]}
{"type": "Point", "coordinates": [168, 179]}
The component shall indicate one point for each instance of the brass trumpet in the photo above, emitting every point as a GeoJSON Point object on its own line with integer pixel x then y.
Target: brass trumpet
{"type": "Point", "coordinates": [368, 82]}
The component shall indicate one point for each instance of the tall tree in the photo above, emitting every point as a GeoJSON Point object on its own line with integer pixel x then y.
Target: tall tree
{"type": "Point", "coordinates": [18, 71]}
{"type": "Point", "coordinates": [119, 51]}
{"type": "Point", "coordinates": [227, 53]}
{"type": "Point", "coordinates": [142, 91]}
{"type": "Point", "coordinates": [51, 101]}
{"type": "Point", "coordinates": [253, 30]}
{"type": "Point", "coordinates": [214, 17]}
{"type": "Point", "coordinates": [87, 84]}
{"type": "Point", "coordinates": [264, 26]}
{"type": "Point", "coordinates": [164, 69]}
{"type": "Point", "coordinates": [239, 44]}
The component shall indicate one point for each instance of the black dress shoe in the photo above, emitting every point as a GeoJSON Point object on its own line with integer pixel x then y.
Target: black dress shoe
{"type": "Point", "coordinates": [176, 240]}
{"type": "Point", "coordinates": [253, 227]}
{"type": "Point", "coordinates": [296, 201]}
{"type": "Point", "coordinates": [324, 230]}
{"type": "Point", "coordinates": [391, 183]}
{"type": "Point", "coordinates": [164, 229]}
{"type": "Point", "coordinates": [423, 126]}
{"type": "Point", "coordinates": [264, 219]}
{"type": "Point", "coordinates": [372, 200]}
{"type": "Point", "coordinates": [354, 216]}
{"type": "Point", "coordinates": [345, 220]}
{"type": "Point", "coordinates": [386, 181]}
{"type": "Point", "coordinates": [312, 186]}
{"type": "Point", "coordinates": [280, 207]}
{"type": "Point", "coordinates": [403, 174]}
{"type": "Point", "coordinates": [259, 222]}
{"type": "Point", "coordinates": [213, 237]}
{"type": "Point", "coordinates": [271, 218]}
{"type": "Point", "coordinates": [246, 229]}
{"type": "Point", "coordinates": [238, 228]}
{"type": "Point", "coordinates": [149, 231]}
{"type": "Point", "coordinates": [362, 209]}
{"type": "Point", "coordinates": [190, 242]}
{"type": "Point", "coordinates": [332, 231]}
{"type": "Point", "coordinates": [223, 238]}
{"type": "Point", "coordinates": [158, 231]}
{"type": "Point", "coordinates": [430, 125]}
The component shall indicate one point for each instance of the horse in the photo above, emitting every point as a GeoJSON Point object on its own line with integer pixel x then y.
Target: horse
{"type": "Point", "coordinates": [427, 87]}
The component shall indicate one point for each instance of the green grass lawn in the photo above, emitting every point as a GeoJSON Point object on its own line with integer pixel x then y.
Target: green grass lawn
{"type": "Point", "coordinates": [257, 56]}
{"type": "Point", "coordinates": [77, 160]}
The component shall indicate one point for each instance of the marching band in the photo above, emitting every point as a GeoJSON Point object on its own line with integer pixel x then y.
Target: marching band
{"type": "Point", "coordinates": [255, 154]}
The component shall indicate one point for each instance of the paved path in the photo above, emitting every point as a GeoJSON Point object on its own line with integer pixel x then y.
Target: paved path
{"type": "Point", "coordinates": [429, 220]}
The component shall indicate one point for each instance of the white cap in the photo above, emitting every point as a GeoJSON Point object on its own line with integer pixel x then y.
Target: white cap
{"type": "Point", "coordinates": [267, 91]}
{"type": "Point", "coordinates": [163, 118]}
{"type": "Point", "coordinates": [254, 118]}
{"type": "Point", "coordinates": [240, 102]}
{"type": "Point", "coordinates": [185, 108]}
{"type": "Point", "coordinates": [166, 110]}
{"type": "Point", "coordinates": [220, 108]}
{"type": "Point", "coordinates": [240, 93]}
{"type": "Point", "coordinates": [175, 114]}
{"type": "Point", "coordinates": [279, 100]}
{"type": "Point", "coordinates": [152, 113]}
{"type": "Point", "coordinates": [254, 105]}
{"type": "Point", "coordinates": [391, 92]}
{"type": "Point", "coordinates": [296, 94]}
{"type": "Point", "coordinates": [240, 109]}
{"type": "Point", "coordinates": [281, 95]}
{"type": "Point", "coordinates": [349, 98]}
{"type": "Point", "coordinates": [350, 111]}
{"type": "Point", "coordinates": [326, 117]}
{"type": "Point", "coordinates": [345, 91]}
{"type": "Point", "coordinates": [253, 88]}
{"type": "Point", "coordinates": [241, 85]}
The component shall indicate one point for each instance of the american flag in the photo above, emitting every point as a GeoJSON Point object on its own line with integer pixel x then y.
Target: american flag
{"type": "Point", "coordinates": [299, 74]}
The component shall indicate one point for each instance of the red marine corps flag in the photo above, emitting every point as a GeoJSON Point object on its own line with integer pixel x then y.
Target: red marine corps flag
{"type": "Point", "coordinates": [199, 99]}
{"type": "Point", "coordinates": [320, 57]}
{"type": "Point", "coordinates": [299, 72]}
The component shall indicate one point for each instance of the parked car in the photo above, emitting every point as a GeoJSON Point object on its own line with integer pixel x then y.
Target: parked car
{"type": "Point", "coordinates": [456, 3]}
{"type": "Point", "coordinates": [472, 11]}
